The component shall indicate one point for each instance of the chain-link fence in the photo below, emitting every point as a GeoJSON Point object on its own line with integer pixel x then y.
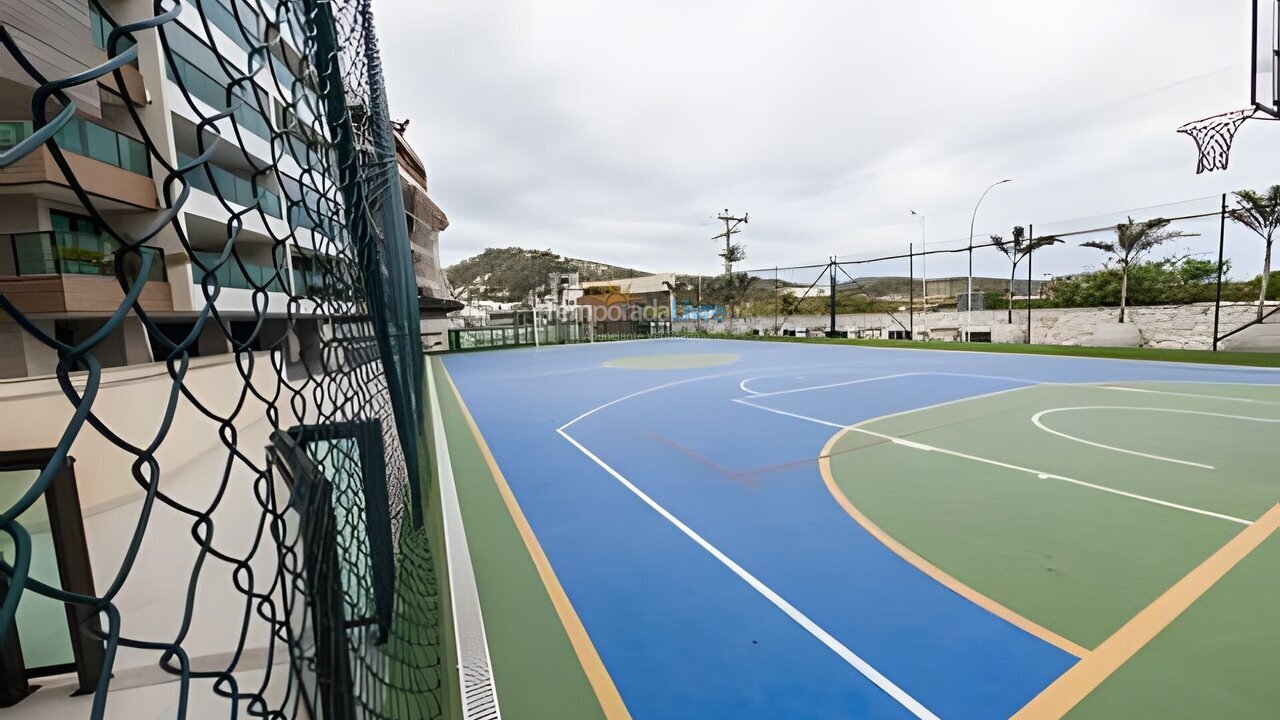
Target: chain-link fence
{"type": "Point", "coordinates": [1152, 272]}
{"type": "Point", "coordinates": [214, 492]}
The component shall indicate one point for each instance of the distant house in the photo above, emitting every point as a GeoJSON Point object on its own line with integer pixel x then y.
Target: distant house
{"type": "Point", "coordinates": [645, 290]}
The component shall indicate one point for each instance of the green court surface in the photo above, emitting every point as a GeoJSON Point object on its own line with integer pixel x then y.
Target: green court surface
{"type": "Point", "coordinates": [1218, 660]}
{"type": "Point", "coordinates": [1076, 506]}
{"type": "Point", "coordinates": [540, 675]}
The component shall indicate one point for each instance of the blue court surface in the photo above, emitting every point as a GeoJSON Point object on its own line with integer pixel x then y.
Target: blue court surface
{"type": "Point", "coordinates": [674, 486]}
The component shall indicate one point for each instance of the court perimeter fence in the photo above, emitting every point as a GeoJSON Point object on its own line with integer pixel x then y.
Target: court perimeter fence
{"type": "Point", "coordinates": [1186, 291]}
{"type": "Point", "coordinates": [261, 530]}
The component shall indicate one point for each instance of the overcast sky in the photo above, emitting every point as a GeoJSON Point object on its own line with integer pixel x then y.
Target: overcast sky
{"type": "Point", "coordinates": [617, 131]}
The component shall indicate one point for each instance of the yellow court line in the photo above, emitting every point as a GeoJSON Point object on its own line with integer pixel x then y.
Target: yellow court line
{"type": "Point", "coordinates": [606, 692]}
{"type": "Point", "coordinates": [1075, 684]}
{"type": "Point", "coordinates": [928, 568]}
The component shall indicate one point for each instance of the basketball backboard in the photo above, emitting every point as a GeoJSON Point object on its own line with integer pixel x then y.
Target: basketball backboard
{"type": "Point", "coordinates": [1266, 49]}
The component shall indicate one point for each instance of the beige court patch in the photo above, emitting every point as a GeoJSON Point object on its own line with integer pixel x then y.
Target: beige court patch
{"type": "Point", "coordinates": [672, 362]}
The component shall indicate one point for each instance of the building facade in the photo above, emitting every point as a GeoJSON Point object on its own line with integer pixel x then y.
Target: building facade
{"type": "Point", "coordinates": [426, 221]}
{"type": "Point", "coordinates": [268, 214]}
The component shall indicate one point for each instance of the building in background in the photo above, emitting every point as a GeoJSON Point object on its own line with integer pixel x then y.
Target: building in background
{"type": "Point", "coordinates": [57, 262]}
{"type": "Point", "coordinates": [646, 291]}
{"type": "Point", "coordinates": [426, 222]}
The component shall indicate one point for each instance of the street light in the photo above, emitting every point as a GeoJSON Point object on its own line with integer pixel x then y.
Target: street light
{"type": "Point", "coordinates": [924, 262]}
{"type": "Point", "coordinates": [968, 320]}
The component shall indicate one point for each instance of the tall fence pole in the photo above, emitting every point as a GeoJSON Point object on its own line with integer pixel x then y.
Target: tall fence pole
{"type": "Point", "coordinates": [1222, 242]}
{"type": "Point", "coordinates": [1031, 236]}
{"type": "Point", "coordinates": [777, 302]}
{"type": "Point", "coordinates": [911, 291]}
{"type": "Point", "coordinates": [832, 333]}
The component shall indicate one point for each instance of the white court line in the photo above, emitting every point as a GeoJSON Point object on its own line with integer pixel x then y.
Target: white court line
{"type": "Point", "coordinates": [869, 672]}
{"type": "Point", "coordinates": [1036, 420]}
{"type": "Point", "coordinates": [1193, 395]}
{"type": "Point", "coordinates": [1038, 473]}
{"type": "Point", "coordinates": [882, 377]}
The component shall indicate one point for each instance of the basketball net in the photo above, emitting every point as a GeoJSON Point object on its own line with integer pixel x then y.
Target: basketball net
{"type": "Point", "coordinates": [1213, 136]}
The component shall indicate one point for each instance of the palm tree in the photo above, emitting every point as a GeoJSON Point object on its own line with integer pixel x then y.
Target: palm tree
{"type": "Point", "coordinates": [1133, 240]}
{"type": "Point", "coordinates": [1017, 249]}
{"type": "Point", "coordinates": [1260, 212]}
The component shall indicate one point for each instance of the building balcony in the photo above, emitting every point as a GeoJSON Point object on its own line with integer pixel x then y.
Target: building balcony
{"type": "Point", "coordinates": [65, 272]}
{"type": "Point", "coordinates": [106, 163]}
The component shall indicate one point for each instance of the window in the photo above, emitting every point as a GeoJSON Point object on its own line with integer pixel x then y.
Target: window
{"type": "Point", "coordinates": [899, 335]}
{"type": "Point", "coordinates": [213, 92]}
{"type": "Point", "coordinates": [102, 144]}
{"type": "Point", "coordinates": [102, 27]}
{"type": "Point", "coordinates": [48, 637]}
{"type": "Point", "coordinates": [13, 132]}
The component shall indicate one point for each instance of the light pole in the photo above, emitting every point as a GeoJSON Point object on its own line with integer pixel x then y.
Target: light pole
{"type": "Point", "coordinates": [968, 320]}
{"type": "Point", "coordinates": [924, 266]}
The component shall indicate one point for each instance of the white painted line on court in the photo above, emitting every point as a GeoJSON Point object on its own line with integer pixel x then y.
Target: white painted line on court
{"type": "Point", "coordinates": [1035, 419]}
{"type": "Point", "coordinates": [885, 377]}
{"type": "Point", "coordinates": [867, 671]}
{"type": "Point", "coordinates": [1193, 395]}
{"type": "Point", "coordinates": [1038, 473]}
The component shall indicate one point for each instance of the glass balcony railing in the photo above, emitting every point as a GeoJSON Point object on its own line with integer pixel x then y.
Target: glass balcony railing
{"type": "Point", "coordinates": [55, 252]}
{"type": "Point", "coordinates": [101, 25]}
{"type": "Point", "coordinates": [204, 87]}
{"type": "Point", "coordinates": [223, 17]}
{"type": "Point", "coordinates": [234, 188]}
{"type": "Point", "coordinates": [85, 138]}
{"type": "Point", "coordinates": [230, 275]}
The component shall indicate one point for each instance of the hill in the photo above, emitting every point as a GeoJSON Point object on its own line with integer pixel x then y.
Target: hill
{"type": "Point", "coordinates": [510, 274]}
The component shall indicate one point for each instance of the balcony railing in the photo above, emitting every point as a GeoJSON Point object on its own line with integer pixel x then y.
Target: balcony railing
{"type": "Point", "coordinates": [204, 87]}
{"type": "Point", "coordinates": [230, 186]}
{"type": "Point", "coordinates": [82, 137]}
{"type": "Point", "coordinates": [55, 252]}
{"type": "Point", "coordinates": [102, 25]}
{"type": "Point", "coordinates": [230, 275]}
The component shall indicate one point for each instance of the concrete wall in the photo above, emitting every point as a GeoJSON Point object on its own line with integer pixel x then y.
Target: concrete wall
{"type": "Point", "coordinates": [1172, 326]}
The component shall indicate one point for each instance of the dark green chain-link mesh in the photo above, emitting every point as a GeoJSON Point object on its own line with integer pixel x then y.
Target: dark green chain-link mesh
{"type": "Point", "coordinates": [339, 586]}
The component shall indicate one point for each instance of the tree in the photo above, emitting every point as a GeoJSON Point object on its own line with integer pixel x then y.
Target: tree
{"type": "Point", "coordinates": [1016, 249]}
{"type": "Point", "coordinates": [1133, 240]}
{"type": "Point", "coordinates": [1260, 212]}
{"type": "Point", "coordinates": [734, 253]}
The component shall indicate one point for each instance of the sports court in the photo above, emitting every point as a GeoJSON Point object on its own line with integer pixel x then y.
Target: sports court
{"type": "Point", "coordinates": [734, 529]}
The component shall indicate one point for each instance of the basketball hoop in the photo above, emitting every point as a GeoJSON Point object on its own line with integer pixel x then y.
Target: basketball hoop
{"type": "Point", "coordinates": [1213, 136]}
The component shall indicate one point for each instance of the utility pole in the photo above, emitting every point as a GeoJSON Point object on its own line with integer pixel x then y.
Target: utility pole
{"type": "Point", "coordinates": [911, 291]}
{"type": "Point", "coordinates": [731, 224]}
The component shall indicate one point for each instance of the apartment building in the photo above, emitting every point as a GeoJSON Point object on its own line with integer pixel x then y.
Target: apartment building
{"type": "Point", "coordinates": [57, 260]}
{"type": "Point", "coordinates": [426, 221]}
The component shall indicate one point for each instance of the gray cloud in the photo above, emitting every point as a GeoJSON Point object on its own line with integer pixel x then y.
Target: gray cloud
{"type": "Point", "coordinates": [617, 131]}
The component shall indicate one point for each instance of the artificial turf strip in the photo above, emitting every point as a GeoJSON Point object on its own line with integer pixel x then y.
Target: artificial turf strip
{"type": "Point", "coordinates": [536, 672]}
{"type": "Point", "coordinates": [1219, 659]}
{"type": "Point", "coordinates": [1250, 359]}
